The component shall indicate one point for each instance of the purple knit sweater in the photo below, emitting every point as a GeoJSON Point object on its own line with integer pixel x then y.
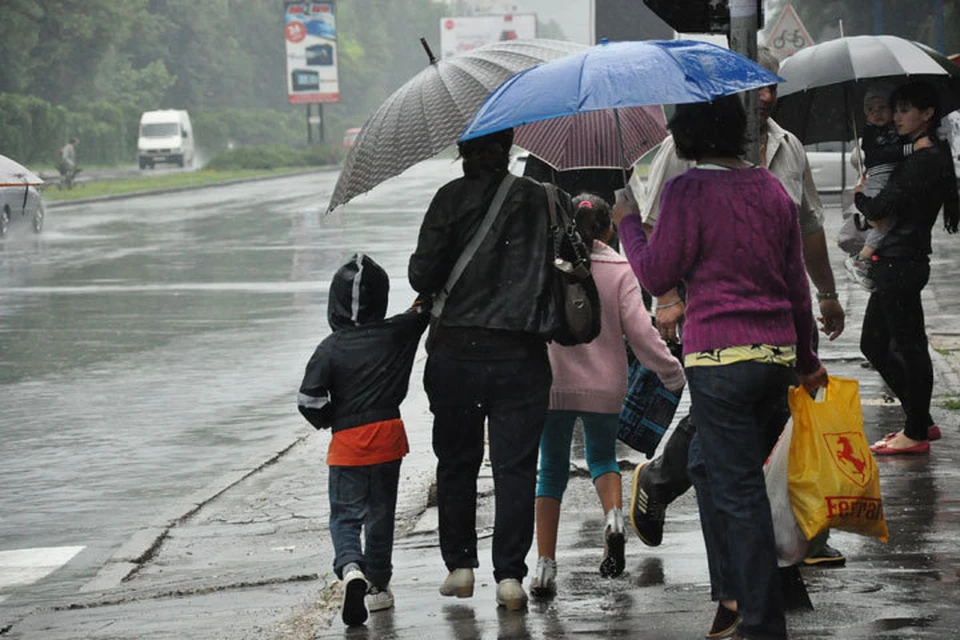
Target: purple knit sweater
{"type": "Point", "coordinates": [733, 237]}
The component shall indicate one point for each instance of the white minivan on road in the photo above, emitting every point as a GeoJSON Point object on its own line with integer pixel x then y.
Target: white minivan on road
{"type": "Point", "coordinates": [165, 136]}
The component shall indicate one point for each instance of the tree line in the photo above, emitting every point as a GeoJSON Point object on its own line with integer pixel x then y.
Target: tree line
{"type": "Point", "coordinates": [90, 67]}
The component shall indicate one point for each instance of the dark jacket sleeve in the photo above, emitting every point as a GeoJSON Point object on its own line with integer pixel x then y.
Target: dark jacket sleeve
{"type": "Point", "coordinates": [876, 152]}
{"type": "Point", "coordinates": [314, 400]}
{"type": "Point", "coordinates": [896, 196]}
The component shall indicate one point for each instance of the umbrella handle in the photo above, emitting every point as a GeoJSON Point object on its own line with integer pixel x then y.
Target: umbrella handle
{"type": "Point", "coordinates": [623, 155]}
{"type": "Point", "coordinates": [426, 47]}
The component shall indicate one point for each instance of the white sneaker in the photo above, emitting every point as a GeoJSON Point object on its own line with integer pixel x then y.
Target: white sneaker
{"type": "Point", "coordinates": [613, 558]}
{"type": "Point", "coordinates": [353, 609]}
{"type": "Point", "coordinates": [544, 583]}
{"type": "Point", "coordinates": [859, 271]}
{"type": "Point", "coordinates": [459, 583]}
{"type": "Point", "coordinates": [510, 594]}
{"type": "Point", "coordinates": [379, 599]}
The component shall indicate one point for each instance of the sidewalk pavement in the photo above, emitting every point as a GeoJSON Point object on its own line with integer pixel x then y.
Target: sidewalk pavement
{"type": "Point", "coordinates": [250, 557]}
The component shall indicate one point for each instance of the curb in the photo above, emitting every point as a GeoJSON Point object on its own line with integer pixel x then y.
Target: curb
{"type": "Point", "coordinates": [152, 192]}
{"type": "Point", "coordinates": [144, 544]}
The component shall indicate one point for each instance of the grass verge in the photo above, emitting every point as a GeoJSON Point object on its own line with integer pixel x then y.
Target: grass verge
{"type": "Point", "coordinates": [122, 186]}
{"type": "Point", "coordinates": [951, 404]}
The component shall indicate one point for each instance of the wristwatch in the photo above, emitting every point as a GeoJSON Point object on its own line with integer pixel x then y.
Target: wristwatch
{"type": "Point", "coordinates": [826, 295]}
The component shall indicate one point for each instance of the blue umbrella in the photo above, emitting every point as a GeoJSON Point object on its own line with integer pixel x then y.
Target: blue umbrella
{"type": "Point", "coordinates": [618, 74]}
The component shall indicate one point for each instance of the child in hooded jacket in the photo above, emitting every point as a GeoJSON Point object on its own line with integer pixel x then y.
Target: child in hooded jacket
{"type": "Point", "coordinates": [353, 385]}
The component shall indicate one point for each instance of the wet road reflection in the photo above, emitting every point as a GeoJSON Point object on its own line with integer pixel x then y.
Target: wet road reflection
{"type": "Point", "coordinates": [148, 346]}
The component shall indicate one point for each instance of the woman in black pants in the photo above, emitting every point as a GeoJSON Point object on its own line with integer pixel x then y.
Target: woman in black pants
{"type": "Point", "coordinates": [894, 338]}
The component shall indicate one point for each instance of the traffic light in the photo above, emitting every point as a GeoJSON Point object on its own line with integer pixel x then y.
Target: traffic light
{"type": "Point", "coordinates": [698, 16]}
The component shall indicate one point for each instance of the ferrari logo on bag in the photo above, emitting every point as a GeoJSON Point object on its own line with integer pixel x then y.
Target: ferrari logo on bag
{"type": "Point", "coordinates": [851, 455]}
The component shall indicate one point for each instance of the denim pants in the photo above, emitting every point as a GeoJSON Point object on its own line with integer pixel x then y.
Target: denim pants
{"type": "Point", "coordinates": [894, 338]}
{"type": "Point", "coordinates": [512, 396]}
{"type": "Point", "coordinates": [364, 498]}
{"type": "Point", "coordinates": [739, 410]}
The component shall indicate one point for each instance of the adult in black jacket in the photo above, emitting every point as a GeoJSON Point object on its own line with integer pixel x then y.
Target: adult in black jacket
{"type": "Point", "coordinates": [487, 359]}
{"type": "Point", "coordinates": [893, 337]}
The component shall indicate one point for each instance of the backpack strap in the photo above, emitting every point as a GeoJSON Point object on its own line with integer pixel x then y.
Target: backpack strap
{"type": "Point", "coordinates": [468, 252]}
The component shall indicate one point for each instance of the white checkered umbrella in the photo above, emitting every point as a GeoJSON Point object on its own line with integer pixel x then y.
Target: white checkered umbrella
{"type": "Point", "coordinates": [429, 112]}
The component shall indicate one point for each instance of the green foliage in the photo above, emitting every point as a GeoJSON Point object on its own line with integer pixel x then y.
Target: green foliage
{"type": "Point", "coordinates": [276, 156]}
{"type": "Point", "coordinates": [90, 67]}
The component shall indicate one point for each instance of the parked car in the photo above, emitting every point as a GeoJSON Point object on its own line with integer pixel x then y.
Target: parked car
{"type": "Point", "coordinates": [833, 170]}
{"type": "Point", "coordinates": [20, 207]}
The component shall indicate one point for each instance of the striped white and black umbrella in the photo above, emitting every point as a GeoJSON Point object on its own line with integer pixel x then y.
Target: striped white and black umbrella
{"type": "Point", "coordinates": [429, 112]}
{"type": "Point", "coordinates": [609, 139]}
{"type": "Point", "coordinates": [821, 98]}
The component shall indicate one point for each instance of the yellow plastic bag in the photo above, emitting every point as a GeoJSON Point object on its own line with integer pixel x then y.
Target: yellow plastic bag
{"type": "Point", "coordinates": [832, 475]}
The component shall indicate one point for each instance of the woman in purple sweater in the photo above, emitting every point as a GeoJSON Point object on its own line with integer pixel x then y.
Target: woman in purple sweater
{"type": "Point", "coordinates": [729, 231]}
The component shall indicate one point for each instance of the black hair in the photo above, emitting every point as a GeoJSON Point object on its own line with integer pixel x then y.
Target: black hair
{"type": "Point", "coordinates": [592, 217]}
{"type": "Point", "coordinates": [921, 95]}
{"type": "Point", "coordinates": [486, 154]}
{"type": "Point", "coordinates": [715, 128]}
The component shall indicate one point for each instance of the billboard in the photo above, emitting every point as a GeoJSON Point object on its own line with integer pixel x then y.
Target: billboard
{"type": "Point", "coordinates": [310, 30]}
{"type": "Point", "coordinates": [465, 33]}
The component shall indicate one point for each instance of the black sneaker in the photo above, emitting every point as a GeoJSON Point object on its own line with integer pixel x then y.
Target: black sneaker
{"type": "Point", "coordinates": [646, 512]}
{"type": "Point", "coordinates": [825, 557]}
{"type": "Point", "coordinates": [725, 623]}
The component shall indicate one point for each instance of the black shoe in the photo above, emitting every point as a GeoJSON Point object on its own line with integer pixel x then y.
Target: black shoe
{"type": "Point", "coordinates": [825, 557]}
{"type": "Point", "coordinates": [646, 512]}
{"type": "Point", "coordinates": [724, 623]}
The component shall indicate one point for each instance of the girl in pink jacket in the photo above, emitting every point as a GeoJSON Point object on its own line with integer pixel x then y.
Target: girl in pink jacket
{"type": "Point", "coordinates": [590, 382]}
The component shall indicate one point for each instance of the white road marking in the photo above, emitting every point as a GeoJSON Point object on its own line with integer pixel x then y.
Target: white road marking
{"type": "Point", "coordinates": [19, 567]}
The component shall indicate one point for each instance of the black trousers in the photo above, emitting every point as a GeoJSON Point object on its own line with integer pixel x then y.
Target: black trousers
{"type": "Point", "coordinates": [894, 338]}
{"type": "Point", "coordinates": [512, 396]}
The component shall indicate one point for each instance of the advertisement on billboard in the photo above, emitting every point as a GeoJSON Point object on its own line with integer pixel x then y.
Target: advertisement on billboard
{"type": "Point", "coordinates": [310, 31]}
{"type": "Point", "coordinates": [463, 33]}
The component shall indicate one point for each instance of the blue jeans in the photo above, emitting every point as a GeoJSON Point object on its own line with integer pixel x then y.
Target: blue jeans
{"type": "Point", "coordinates": [600, 440]}
{"type": "Point", "coordinates": [511, 396]}
{"type": "Point", "coordinates": [739, 410]}
{"type": "Point", "coordinates": [364, 497]}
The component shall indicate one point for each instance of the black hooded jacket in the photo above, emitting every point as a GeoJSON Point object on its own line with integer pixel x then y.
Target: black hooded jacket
{"type": "Point", "coordinates": [359, 374]}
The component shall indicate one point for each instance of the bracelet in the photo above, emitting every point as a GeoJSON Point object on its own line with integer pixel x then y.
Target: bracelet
{"type": "Point", "coordinates": [827, 295]}
{"type": "Point", "coordinates": [669, 304]}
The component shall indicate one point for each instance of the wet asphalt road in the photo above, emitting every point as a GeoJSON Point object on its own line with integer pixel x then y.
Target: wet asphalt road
{"type": "Point", "coordinates": [269, 529]}
{"type": "Point", "coordinates": [150, 345]}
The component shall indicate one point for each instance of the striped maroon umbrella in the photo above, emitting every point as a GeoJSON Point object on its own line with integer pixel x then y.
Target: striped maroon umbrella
{"type": "Point", "coordinates": [594, 139]}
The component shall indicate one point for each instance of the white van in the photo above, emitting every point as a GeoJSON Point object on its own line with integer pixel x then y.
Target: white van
{"type": "Point", "coordinates": [165, 136]}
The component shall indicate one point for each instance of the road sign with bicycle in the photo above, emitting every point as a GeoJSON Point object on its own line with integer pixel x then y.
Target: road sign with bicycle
{"type": "Point", "coordinates": [788, 35]}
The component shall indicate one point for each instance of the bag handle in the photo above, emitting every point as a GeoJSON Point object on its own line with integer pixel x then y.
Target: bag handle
{"type": "Point", "coordinates": [468, 252]}
{"type": "Point", "coordinates": [561, 224]}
